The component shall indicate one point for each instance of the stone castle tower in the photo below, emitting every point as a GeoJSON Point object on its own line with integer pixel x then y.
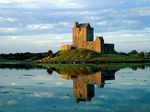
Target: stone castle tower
{"type": "Point", "coordinates": [82, 33]}
{"type": "Point", "coordinates": [83, 37]}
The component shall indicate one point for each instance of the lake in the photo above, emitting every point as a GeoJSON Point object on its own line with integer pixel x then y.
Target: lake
{"type": "Point", "coordinates": [74, 89]}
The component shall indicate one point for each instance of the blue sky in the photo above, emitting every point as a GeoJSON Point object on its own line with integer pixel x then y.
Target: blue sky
{"type": "Point", "coordinates": [39, 25]}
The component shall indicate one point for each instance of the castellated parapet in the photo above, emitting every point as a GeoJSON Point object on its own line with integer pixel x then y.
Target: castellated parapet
{"type": "Point", "coordinates": [83, 37]}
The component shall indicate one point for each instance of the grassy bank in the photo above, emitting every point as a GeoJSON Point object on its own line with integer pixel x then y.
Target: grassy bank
{"type": "Point", "coordinates": [88, 56]}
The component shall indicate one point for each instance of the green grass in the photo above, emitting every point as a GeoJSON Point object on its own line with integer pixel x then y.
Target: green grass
{"type": "Point", "coordinates": [88, 56]}
{"type": "Point", "coordinates": [74, 55]}
{"type": "Point", "coordinates": [119, 57]}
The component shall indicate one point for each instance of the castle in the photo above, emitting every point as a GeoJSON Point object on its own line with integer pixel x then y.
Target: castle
{"type": "Point", "coordinates": [83, 37]}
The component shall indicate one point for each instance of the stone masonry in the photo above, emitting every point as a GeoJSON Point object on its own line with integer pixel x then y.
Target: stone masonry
{"type": "Point", "coordinates": [83, 37]}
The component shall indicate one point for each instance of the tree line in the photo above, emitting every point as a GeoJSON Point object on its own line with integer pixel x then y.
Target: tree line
{"type": "Point", "coordinates": [25, 56]}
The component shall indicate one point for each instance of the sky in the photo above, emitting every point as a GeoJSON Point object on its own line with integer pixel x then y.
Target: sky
{"type": "Point", "coordinates": [40, 25]}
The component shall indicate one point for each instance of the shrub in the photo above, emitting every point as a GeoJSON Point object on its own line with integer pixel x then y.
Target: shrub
{"type": "Point", "coordinates": [133, 52]}
{"type": "Point", "coordinates": [141, 54]}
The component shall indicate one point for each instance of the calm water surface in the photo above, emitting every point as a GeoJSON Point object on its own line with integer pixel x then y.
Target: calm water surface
{"type": "Point", "coordinates": [74, 89]}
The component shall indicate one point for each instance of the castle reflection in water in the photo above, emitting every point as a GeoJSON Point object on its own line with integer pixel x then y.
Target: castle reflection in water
{"type": "Point", "coordinates": [84, 80]}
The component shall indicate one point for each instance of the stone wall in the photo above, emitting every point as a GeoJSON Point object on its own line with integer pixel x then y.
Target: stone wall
{"type": "Point", "coordinates": [89, 45]}
{"type": "Point", "coordinates": [108, 48]}
{"type": "Point", "coordinates": [66, 47]}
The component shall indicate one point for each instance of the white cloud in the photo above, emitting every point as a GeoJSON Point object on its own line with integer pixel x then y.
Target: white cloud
{"type": "Point", "coordinates": [9, 30]}
{"type": "Point", "coordinates": [102, 23]}
{"type": "Point", "coordinates": [13, 37]}
{"type": "Point", "coordinates": [130, 35]}
{"type": "Point", "coordinates": [127, 40]}
{"type": "Point", "coordinates": [7, 19]}
{"type": "Point", "coordinates": [39, 26]}
{"type": "Point", "coordinates": [147, 28]}
{"type": "Point", "coordinates": [93, 18]}
{"type": "Point", "coordinates": [16, 1]}
{"type": "Point", "coordinates": [87, 13]}
{"type": "Point", "coordinates": [64, 3]}
{"type": "Point", "coordinates": [141, 11]}
{"type": "Point", "coordinates": [39, 3]}
{"type": "Point", "coordinates": [63, 23]}
{"type": "Point", "coordinates": [131, 22]}
{"type": "Point", "coordinates": [42, 42]}
{"type": "Point", "coordinates": [45, 26]}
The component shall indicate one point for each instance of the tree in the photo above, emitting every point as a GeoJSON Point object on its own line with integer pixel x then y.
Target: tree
{"type": "Point", "coordinates": [133, 52]}
{"type": "Point", "coordinates": [148, 55]}
{"type": "Point", "coordinates": [141, 54]}
{"type": "Point", "coordinates": [50, 52]}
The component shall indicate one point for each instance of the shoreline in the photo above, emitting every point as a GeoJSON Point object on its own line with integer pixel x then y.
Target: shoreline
{"type": "Point", "coordinates": [77, 62]}
{"type": "Point", "coordinates": [101, 66]}
{"type": "Point", "coordinates": [95, 61]}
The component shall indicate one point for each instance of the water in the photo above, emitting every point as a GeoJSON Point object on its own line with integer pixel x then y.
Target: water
{"type": "Point", "coordinates": [74, 89]}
